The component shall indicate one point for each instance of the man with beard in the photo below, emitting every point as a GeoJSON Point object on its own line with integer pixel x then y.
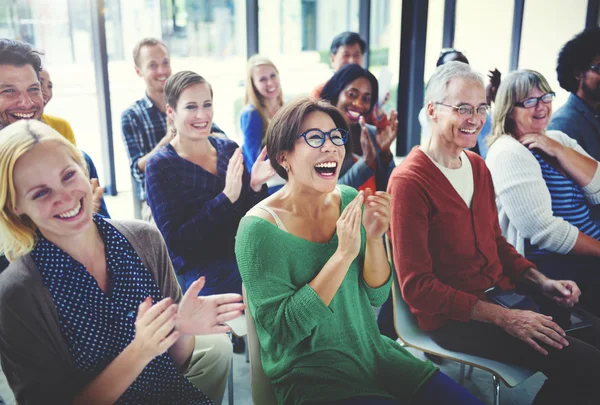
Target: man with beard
{"type": "Point", "coordinates": [578, 72]}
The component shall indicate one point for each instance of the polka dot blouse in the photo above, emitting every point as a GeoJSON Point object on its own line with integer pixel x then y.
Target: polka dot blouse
{"type": "Point", "coordinates": [98, 326]}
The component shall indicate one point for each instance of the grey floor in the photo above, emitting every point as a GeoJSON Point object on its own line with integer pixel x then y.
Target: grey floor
{"type": "Point", "coordinates": [480, 385]}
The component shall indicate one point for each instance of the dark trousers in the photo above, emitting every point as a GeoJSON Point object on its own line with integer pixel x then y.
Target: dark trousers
{"type": "Point", "coordinates": [439, 389]}
{"type": "Point", "coordinates": [584, 270]}
{"type": "Point", "coordinates": [573, 372]}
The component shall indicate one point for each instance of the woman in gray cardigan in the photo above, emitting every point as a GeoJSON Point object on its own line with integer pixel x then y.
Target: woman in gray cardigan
{"type": "Point", "coordinates": [91, 309]}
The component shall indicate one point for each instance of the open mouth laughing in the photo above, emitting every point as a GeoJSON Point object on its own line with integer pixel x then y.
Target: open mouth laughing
{"type": "Point", "coordinates": [71, 214]}
{"type": "Point", "coordinates": [326, 169]}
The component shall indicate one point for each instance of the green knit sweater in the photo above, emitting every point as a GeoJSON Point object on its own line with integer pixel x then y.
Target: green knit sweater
{"type": "Point", "coordinates": [311, 352]}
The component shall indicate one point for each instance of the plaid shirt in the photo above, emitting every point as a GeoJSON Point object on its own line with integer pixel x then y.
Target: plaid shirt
{"type": "Point", "coordinates": [143, 126]}
{"type": "Point", "coordinates": [195, 217]}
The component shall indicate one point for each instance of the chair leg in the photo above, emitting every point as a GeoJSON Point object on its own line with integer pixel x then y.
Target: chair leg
{"type": "Point", "coordinates": [461, 378]}
{"type": "Point", "coordinates": [230, 377]}
{"type": "Point", "coordinates": [470, 373]}
{"type": "Point", "coordinates": [247, 350]}
{"type": "Point", "coordinates": [496, 390]}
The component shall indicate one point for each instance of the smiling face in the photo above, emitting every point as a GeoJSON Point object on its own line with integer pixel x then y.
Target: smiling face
{"type": "Point", "coordinates": [346, 54]}
{"type": "Point", "coordinates": [154, 67]}
{"type": "Point", "coordinates": [531, 120]}
{"type": "Point", "coordinates": [47, 86]}
{"type": "Point", "coordinates": [461, 131]}
{"type": "Point", "coordinates": [53, 191]}
{"type": "Point", "coordinates": [315, 168]}
{"type": "Point", "coordinates": [193, 113]}
{"type": "Point", "coordinates": [355, 99]}
{"type": "Point", "coordinates": [20, 94]}
{"type": "Point", "coordinates": [266, 81]}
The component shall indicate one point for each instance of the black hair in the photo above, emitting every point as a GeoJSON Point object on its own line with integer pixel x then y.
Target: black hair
{"type": "Point", "coordinates": [576, 57]}
{"type": "Point", "coordinates": [342, 78]}
{"type": "Point", "coordinates": [17, 53]}
{"type": "Point", "coordinates": [345, 39]}
{"type": "Point", "coordinates": [450, 51]}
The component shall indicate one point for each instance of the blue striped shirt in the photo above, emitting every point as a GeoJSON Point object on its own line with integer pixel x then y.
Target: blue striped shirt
{"type": "Point", "coordinates": [568, 202]}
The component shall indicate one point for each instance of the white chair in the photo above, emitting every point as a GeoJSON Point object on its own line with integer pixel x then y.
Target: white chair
{"type": "Point", "coordinates": [262, 390]}
{"type": "Point", "coordinates": [409, 332]}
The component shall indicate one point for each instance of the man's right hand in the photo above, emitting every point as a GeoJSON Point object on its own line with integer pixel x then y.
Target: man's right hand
{"type": "Point", "coordinates": [532, 328]}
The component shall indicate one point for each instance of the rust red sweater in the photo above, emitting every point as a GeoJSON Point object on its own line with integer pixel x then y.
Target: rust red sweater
{"type": "Point", "coordinates": [446, 255]}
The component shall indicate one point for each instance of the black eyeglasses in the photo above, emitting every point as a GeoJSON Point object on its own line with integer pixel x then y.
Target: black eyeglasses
{"type": "Point", "coordinates": [532, 102]}
{"type": "Point", "coordinates": [315, 138]}
{"type": "Point", "coordinates": [596, 68]}
{"type": "Point", "coordinates": [469, 110]}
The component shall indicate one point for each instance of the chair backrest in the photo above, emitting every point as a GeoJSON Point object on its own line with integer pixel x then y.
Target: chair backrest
{"type": "Point", "coordinates": [262, 390]}
{"type": "Point", "coordinates": [409, 332]}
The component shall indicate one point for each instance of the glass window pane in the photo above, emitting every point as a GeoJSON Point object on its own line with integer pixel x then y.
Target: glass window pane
{"type": "Point", "coordinates": [483, 33]}
{"type": "Point", "coordinates": [542, 38]}
{"type": "Point", "coordinates": [435, 33]}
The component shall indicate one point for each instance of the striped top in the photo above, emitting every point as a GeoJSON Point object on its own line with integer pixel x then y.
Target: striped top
{"type": "Point", "coordinates": [568, 202]}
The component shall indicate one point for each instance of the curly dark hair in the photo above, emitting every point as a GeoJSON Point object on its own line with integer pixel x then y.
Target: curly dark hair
{"type": "Point", "coordinates": [576, 57]}
{"type": "Point", "coordinates": [17, 53]}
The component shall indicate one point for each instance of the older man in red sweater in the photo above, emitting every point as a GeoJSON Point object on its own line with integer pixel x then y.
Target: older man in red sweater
{"type": "Point", "coordinates": [448, 249]}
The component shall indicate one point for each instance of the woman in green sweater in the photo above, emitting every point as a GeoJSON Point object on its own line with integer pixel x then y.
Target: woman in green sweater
{"type": "Point", "coordinates": [313, 269]}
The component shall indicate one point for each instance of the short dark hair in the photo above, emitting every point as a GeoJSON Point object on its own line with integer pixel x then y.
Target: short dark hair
{"type": "Point", "coordinates": [345, 39]}
{"type": "Point", "coordinates": [17, 53]}
{"type": "Point", "coordinates": [450, 51]}
{"type": "Point", "coordinates": [180, 81]}
{"type": "Point", "coordinates": [285, 125]}
{"type": "Point", "coordinates": [146, 42]}
{"type": "Point", "coordinates": [342, 78]}
{"type": "Point", "coordinates": [576, 57]}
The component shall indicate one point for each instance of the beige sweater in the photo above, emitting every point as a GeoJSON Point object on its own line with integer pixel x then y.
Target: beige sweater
{"type": "Point", "coordinates": [34, 355]}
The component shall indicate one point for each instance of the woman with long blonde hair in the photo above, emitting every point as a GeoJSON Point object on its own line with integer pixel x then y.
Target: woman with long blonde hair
{"type": "Point", "coordinates": [91, 308]}
{"type": "Point", "coordinates": [262, 100]}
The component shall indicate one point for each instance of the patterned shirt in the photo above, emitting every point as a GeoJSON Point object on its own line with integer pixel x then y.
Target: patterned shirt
{"type": "Point", "coordinates": [195, 217]}
{"type": "Point", "coordinates": [97, 326]}
{"type": "Point", "coordinates": [568, 202]}
{"type": "Point", "coordinates": [143, 126]}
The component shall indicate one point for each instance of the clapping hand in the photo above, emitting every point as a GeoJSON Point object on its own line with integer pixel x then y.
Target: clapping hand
{"type": "Point", "coordinates": [376, 215]}
{"type": "Point", "coordinates": [368, 149]}
{"type": "Point", "coordinates": [348, 228]}
{"type": "Point", "coordinates": [206, 315]}
{"type": "Point", "coordinates": [262, 171]}
{"type": "Point", "coordinates": [154, 325]}
{"type": "Point", "coordinates": [233, 178]}
{"type": "Point", "coordinates": [387, 135]}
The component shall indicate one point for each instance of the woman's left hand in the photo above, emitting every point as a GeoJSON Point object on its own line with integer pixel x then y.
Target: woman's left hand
{"type": "Point", "coordinates": [262, 171]}
{"type": "Point", "coordinates": [206, 315]}
{"type": "Point", "coordinates": [543, 143]}
{"type": "Point", "coordinates": [386, 136]}
{"type": "Point", "coordinates": [97, 194]}
{"type": "Point", "coordinates": [376, 215]}
{"type": "Point", "coordinates": [564, 292]}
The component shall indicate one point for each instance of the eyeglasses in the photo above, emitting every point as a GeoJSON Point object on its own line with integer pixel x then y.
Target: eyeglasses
{"type": "Point", "coordinates": [596, 68]}
{"type": "Point", "coordinates": [469, 110]}
{"type": "Point", "coordinates": [532, 102]}
{"type": "Point", "coordinates": [315, 138]}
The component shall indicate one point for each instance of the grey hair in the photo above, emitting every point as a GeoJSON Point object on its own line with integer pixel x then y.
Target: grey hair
{"type": "Point", "coordinates": [437, 87]}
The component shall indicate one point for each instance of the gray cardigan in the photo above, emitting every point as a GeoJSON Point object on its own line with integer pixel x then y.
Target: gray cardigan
{"type": "Point", "coordinates": [34, 355]}
{"type": "Point", "coordinates": [578, 120]}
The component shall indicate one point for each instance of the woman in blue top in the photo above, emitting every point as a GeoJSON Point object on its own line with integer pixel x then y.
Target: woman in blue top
{"type": "Point", "coordinates": [89, 305]}
{"type": "Point", "coordinates": [199, 188]}
{"type": "Point", "coordinates": [262, 100]}
{"type": "Point", "coordinates": [354, 90]}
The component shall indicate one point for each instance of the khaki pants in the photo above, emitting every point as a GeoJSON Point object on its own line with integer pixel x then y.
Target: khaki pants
{"type": "Point", "coordinates": [209, 366]}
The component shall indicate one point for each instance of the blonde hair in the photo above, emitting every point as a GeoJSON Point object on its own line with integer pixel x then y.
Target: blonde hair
{"type": "Point", "coordinates": [515, 87]}
{"type": "Point", "coordinates": [18, 232]}
{"type": "Point", "coordinates": [252, 95]}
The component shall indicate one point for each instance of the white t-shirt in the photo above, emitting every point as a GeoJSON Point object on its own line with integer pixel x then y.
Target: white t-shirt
{"type": "Point", "coordinates": [461, 178]}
